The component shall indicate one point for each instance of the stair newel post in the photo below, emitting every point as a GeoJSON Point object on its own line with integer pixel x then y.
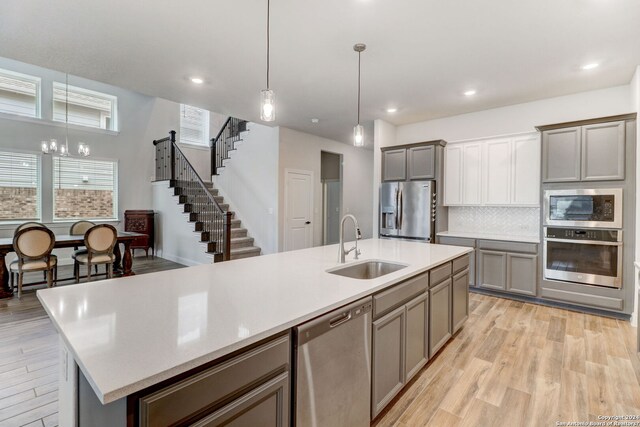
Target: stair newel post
{"type": "Point", "coordinates": [172, 135]}
{"type": "Point", "coordinates": [214, 168]}
{"type": "Point", "coordinates": [227, 236]}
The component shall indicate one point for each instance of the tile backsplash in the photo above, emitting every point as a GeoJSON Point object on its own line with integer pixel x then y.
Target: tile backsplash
{"type": "Point", "coordinates": [495, 220]}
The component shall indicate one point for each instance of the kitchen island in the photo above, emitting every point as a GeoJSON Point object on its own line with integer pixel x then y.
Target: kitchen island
{"type": "Point", "coordinates": [125, 335]}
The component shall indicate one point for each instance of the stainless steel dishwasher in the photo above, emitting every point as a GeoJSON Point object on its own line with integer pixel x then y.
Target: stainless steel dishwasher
{"type": "Point", "coordinates": [333, 368]}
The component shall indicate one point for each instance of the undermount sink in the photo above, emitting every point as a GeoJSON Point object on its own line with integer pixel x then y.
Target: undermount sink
{"type": "Point", "coordinates": [367, 270]}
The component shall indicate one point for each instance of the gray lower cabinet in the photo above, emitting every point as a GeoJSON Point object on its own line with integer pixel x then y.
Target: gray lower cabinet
{"type": "Point", "coordinates": [421, 162]}
{"type": "Point", "coordinates": [492, 273]}
{"type": "Point", "coordinates": [459, 300]}
{"type": "Point", "coordinates": [252, 386]}
{"type": "Point", "coordinates": [439, 316]}
{"type": "Point", "coordinates": [417, 335]}
{"type": "Point", "coordinates": [388, 344]}
{"type": "Point", "coordinates": [394, 165]}
{"type": "Point", "coordinates": [266, 405]}
{"type": "Point", "coordinates": [522, 273]}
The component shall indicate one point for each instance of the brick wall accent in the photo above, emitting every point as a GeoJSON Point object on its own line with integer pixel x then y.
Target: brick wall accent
{"type": "Point", "coordinates": [70, 203]}
{"type": "Point", "coordinates": [18, 203]}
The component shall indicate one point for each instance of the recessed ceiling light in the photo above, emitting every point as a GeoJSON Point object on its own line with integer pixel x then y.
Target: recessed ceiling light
{"type": "Point", "coordinates": [391, 110]}
{"type": "Point", "coordinates": [197, 80]}
{"type": "Point", "coordinates": [590, 66]}
{"type": "Point", "coordinates": [315, 120]}
{"type": "Point", "coordinates": [470, 92]}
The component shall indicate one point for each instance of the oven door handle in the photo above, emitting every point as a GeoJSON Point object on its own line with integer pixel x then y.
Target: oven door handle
{"type": "Point", "coordinates": [585, 242]}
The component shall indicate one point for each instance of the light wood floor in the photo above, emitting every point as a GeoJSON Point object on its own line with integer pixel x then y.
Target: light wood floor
{"type": "Point", "coordinates": [29, 354]}
{"type": "Point", "coordinates": [520, 364]}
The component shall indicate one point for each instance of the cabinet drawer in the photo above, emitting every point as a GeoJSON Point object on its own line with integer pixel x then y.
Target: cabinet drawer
{"type": "Point", "coordinates": [494, 245]}
{"type": "Point", "coordinates": [460, 263]}
{"type": "Point", "coordinates": [457, 241]}
{"type": "Point", "coordinates": [389, 299]}
{"type": "Point", "coordinates": [203, 391]}
{"type": "Point", "coordinates": [439, 274]}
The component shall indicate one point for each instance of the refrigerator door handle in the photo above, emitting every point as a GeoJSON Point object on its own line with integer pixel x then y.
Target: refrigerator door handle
{"type": "Point", "coordinates": [400, 207]}
{"type": "Point", "coordinates": [396, 208]}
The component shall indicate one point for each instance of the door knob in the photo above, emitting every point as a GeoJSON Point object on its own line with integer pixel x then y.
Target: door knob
{"type": "Point", "coordinates": [307, 222]}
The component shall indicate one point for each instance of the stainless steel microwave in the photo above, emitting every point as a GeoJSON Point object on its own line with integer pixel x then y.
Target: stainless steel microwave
{"type": "Point", "coordinates": [592, 208]}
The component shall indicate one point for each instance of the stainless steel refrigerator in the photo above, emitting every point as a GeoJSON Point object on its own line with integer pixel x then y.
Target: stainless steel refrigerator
{"type": "Point", "coordinates": [407, 209]}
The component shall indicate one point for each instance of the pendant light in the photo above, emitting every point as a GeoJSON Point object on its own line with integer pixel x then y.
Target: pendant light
{"type": "Point", "coordinates": [51, 146]}
{"type": "Point", "coordinates": [358, 130]}
{"type": "Point", "coordinates": [267, 98]}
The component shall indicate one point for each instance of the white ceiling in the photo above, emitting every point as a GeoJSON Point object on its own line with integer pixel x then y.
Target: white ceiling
{"type": "Point", "coordinates": [421, 54]}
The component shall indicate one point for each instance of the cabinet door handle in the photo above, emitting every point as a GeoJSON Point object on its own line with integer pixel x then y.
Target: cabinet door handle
{"type": "Point", "coordinates": [307, 222]}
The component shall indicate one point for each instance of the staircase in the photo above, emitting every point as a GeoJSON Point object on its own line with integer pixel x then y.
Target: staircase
{"type": "Point", "coordinates": [217, 226]}
{"type": "Point", "coordinates": [241, 244]}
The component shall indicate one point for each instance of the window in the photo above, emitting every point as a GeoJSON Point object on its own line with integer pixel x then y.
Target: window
{"type": "Point", "coordinates": [19, 186]}
{"type": "Point", "coordinates": [194, 125]}
{"type": "Point", "coordinates": [19, 94]}
{"type": "Point", "coordinates": [84, 189]}
{"type": "Point", "coordinates": [86, 107]}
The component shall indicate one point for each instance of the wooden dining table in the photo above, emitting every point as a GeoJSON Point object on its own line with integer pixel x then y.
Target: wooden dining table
{"type": "Point", "coordinates": [122, 265]}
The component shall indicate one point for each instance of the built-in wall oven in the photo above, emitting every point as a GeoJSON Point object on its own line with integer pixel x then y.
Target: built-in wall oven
{"type": "Point", "coordinates": [599, 208]}
{"type": "Point", "coordinates": [587, 256]}
{"type": "Point", "coordinates": [583, 236]}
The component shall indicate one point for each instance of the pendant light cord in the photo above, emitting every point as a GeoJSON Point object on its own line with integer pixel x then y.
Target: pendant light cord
{"type": "Point", "coordinates": [359, 87]}
{"type": "Point", "coordinates": [268, 44]}
{"type": "Point", "coordinates": [66, 113]}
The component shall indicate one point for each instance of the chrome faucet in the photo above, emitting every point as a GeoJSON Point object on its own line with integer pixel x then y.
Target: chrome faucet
{"type": "Point", "coordinates": [343, 252]}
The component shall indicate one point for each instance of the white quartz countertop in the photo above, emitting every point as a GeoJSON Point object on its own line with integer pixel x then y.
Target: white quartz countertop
{"type": "Point", "coordinates": [490, 236]}
{"type": "Point", "coordinates": [129, 333]}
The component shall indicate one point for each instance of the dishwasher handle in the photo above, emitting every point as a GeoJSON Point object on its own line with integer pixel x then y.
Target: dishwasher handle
{"type": "Point", "coordinates": [330, 321]}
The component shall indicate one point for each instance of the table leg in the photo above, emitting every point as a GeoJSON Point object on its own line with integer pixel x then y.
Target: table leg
{"type": "Point", "coordinates": [127, 260]}
{"type": "Point", "coordinates": [5, 290]}
{"type": "Point", "coordinates": [116, 253]}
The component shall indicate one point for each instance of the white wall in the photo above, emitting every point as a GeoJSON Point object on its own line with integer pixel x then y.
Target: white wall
{"type": "Point", "coordinates": [384, 135]}
{"type": "Point", "coordinates": [635, 106]}
{"type": "Point", "coordinates": [519, 118]}
{"type": "Point", "coordinates": [175, 237]}
{"type": "Point", "coordinates": [302, 151]}
{"type": "Point", "coordinates": [200, 157]}
{"type": "Point", "coordinates": [249, 183]}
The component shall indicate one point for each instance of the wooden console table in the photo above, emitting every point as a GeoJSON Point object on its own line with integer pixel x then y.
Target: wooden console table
{"type": "Point", "coordinates": [123, 263]}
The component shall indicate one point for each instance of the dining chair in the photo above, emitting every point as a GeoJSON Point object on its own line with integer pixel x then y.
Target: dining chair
{"type": "Point", "coordinates": [33, 245]}
{"type": "Point", "coordinates": [99, 241]}
{"type": "Point", "coordinates": [79, 228]}
{"type": "Point", "coordinates": [27, 225]}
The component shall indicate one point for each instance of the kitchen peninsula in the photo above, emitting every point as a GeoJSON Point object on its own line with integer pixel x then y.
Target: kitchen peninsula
{"type": "Point", "coordinates": [126, 339]}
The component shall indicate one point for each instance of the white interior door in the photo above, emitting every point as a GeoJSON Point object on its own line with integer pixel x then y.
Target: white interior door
{"type": "Point", "coordinates": [298, 199]}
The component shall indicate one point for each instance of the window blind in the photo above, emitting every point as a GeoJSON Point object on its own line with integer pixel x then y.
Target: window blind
{"type": "Point", "coordinates": [19, 170]}
{"type": "Point", "coordinates": [194, 125]}
{"type": "Point", "coordinates": [86, 107]}
{"type": "Point", "coordinates": [72, 173]}
{"type": "Point", "coordinates": [19, 94]}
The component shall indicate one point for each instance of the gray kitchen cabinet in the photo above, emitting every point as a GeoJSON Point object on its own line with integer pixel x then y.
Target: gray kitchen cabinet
{"type": "Point", "coordinates": [463, 241]}
{"type": "Point", "coordinates": [561, 155]}
{"type": "Point", "coordinates": [267, 405]}
{"type": "Point", "coordinates": [522, 273]}
{"type": "Point", "coordinates": [388, 345]}
{"type": "Point", "coordinates": [394, 165]}
{"type": "Point", "coordinates": [603, 151]}
{"type": "Point", "coordinates": [459, 300]}
{"type": "Point", "coordinates": [492, 266]}
{"type": "Point", "coordinates": [421, 162]}
{"type": "Point", "coordinates": [260, 376]}
{"type": "Point", "coordinates": [439, 316]}
{"type": "Point", "coordinates": [417, 335]}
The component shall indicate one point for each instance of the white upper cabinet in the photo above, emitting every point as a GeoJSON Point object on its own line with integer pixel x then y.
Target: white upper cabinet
{"type": "Point", "coordinates": [493, 172]}
{"type": "Point", "coordinates": [453, 175]}
{"type": "Point", "coordinates": [471, 174]}
{"type": "Point", "coordinates": [525, 181]}
{"type": "Point", "coordinates": [496, 165]}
